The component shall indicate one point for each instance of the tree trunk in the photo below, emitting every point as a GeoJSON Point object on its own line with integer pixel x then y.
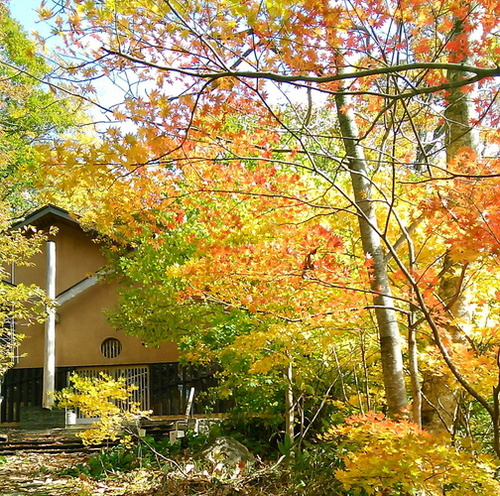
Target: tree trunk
{"type": "Point", "coordinates": [289, 404]}
{"type": "Point", "coordinates": [441, 403]}
{"type": "Point", "coordinates": [388, 327]}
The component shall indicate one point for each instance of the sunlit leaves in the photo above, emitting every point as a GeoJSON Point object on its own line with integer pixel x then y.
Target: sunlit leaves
{"type": "Point", "coordinates": [382, 456]}
{"type": "Point", "coordinates": [231, 181]}
{"type": "Point", "coordinates": [28, 115]}
{"type": "Point", "coordinates": [104, 398]}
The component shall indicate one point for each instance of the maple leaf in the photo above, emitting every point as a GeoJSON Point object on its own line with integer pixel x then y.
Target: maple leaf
{"type": "Point", "coordinates": [287, 161]}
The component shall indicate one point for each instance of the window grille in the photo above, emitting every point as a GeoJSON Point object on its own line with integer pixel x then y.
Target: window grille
{"type": "Point", "coordinates": [111, 348]}
{"type": "Point", "coordinates": [134, 376]}
{"type": "Point", "coordinates": [8, 343]}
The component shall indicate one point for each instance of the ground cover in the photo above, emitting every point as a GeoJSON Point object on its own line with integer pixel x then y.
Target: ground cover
{"type": "Point", "coordinates": [48, 474]}
{"type": "Point", "coordinates": [45, 474]}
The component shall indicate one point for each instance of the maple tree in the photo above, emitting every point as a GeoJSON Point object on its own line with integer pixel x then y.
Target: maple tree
{"type": "Point", "coordinates": [381, 455]}
{"type": "Point", "coordinates": [103, 398]}
{"type": "Point", "coordinates": [292, 172]}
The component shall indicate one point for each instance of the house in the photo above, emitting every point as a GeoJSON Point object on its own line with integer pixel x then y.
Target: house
{"type": "Point", "coordinates": [77, 338]}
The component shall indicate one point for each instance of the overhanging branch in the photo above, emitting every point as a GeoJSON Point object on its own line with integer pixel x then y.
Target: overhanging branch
{"type": "Point", "coordinates": [479, 73]}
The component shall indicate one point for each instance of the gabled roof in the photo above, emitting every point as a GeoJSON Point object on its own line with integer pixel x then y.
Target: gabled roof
{"type": "Point", "coordinates": [46, 216]}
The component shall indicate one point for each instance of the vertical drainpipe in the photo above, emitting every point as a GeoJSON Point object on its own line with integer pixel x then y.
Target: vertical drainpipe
{"type": "Point", "coordinates": [49, 364]}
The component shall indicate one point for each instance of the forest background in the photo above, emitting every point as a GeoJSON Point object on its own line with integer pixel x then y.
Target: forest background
{"type": "Point", "coordinates": [311, 192]}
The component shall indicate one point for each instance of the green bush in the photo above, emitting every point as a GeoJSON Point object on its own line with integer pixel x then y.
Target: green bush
{"type": "Point", "coordinates": [137, 453]}
{"type": "Point", "coordinates": [118, 458]}
{"type": "Point", "coordinates": [312, 471]}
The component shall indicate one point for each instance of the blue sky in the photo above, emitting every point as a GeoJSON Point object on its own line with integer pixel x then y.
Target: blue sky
{"type": "Point", "coordinates": [24, 12]}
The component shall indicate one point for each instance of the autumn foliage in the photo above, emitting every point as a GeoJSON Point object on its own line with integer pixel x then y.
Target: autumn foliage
{"type": "Point", "coordinates": [386, 457]}
{"type": "Point", "coordinates": [306, 193]}
{"type": "Point", "coordinates": [105, 399]}
{"type": "Point", "coordinates": [29, 115]}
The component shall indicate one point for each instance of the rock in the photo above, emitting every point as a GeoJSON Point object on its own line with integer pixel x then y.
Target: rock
{"type": "Point", "coordinates": [227, 451]}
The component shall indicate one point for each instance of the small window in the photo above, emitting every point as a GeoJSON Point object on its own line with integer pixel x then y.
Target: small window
{"type": "Point", "coordinates": [111, 348]}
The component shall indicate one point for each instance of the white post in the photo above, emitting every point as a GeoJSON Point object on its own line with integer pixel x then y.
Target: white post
{"type": "Point", "coordinates": [189, 404]}
{"type": "Point", "coordinates": [49, 366]}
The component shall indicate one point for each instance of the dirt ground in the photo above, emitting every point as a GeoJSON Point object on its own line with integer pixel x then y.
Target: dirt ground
{"type": "Point", "coordinates": [40, 474]}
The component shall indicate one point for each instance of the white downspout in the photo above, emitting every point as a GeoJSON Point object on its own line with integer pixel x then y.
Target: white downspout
{"type": "Point", "coordinates": [49, 365]}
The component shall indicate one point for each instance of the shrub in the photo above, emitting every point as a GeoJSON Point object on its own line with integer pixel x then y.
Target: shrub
{"type": "Point", "coordinates": [104, 398]}
{"type": "Point", "coordinates": [383, 456]}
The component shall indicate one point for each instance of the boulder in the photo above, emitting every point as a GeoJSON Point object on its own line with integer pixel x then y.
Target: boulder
{"type": "Point", "coordinates": [228, 452]}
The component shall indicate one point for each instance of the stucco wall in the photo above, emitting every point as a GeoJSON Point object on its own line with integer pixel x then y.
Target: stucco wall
{"type": "Point", "coordinates": [81, 326]}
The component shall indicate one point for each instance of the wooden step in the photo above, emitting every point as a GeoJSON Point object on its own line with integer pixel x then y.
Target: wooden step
{"type": "Point", "coordinates": [56, 441]}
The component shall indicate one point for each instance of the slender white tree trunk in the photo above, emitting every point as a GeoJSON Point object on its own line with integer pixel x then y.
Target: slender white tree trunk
{"type": "Point", "coordinates": [289, 404]}
{"type": "Point", "coordinates": [388, 327]}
